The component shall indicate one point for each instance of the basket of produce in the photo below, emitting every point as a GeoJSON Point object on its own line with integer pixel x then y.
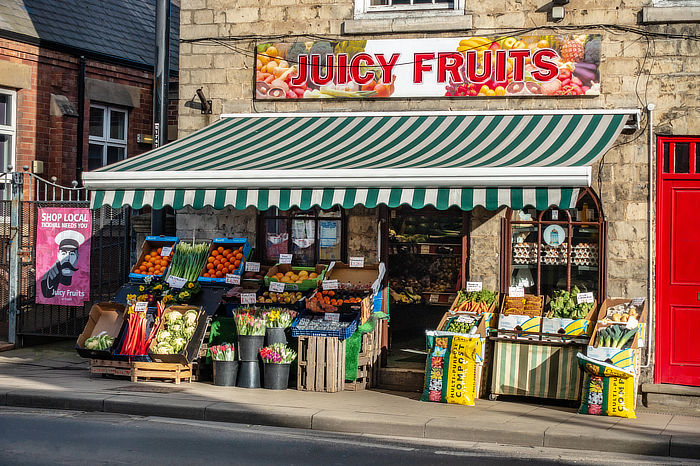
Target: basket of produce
{"type": "Point", "coordinates": [615, 336]}
{"type": "Point", "coordinates": [225, 256]}
{"type": "Point", "coordinates": [336, 300]}
{"type": "Point", "coordinates": [529, 305]}
{"type": "Point", "coordinates": [179, 335]}
{"type": "Point", "coordinates": [477, 302]}
{"type": "Point", "coordinates": [461, 323]}
{"type": "Point", "coordinates": [623, 312]}
{"type": "Point", "coordinates": [564, 305]}
{"type": "Point", "coordinates": [101, 331]}
{"type": "Point", "coordinates": [187, 263]}
{"type": "Point", "coordinates": [156, 255]}
{"type": "Point", "coordinates": [296, 278]}
{"type": "Point", "coordinates": [317, 325]}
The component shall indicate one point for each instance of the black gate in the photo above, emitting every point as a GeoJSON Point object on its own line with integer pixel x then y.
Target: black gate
{"type": "Point", "coordinates": [111, 244]}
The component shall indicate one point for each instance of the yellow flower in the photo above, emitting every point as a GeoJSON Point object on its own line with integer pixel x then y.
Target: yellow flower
{"type": "Point", "coordinates": [141, 288]}
{"type": "Point", "coordinates": [158, 287]}
{"type": "Point", "coordinates": [190, 285]}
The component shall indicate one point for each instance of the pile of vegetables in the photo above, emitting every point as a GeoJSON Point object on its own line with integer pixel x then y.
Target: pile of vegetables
{"type": "Point", "coordinates": [564, 305]}
{"type": "Point", "coordinates": [188, 260]}
{"type": "Point", "coordinates": [460, 326]}
{"type": "Point", "coordinates": [138, 336]}
{"type": "Point", "coordinates": [474, 301]}
{"type": "Point", "coordinates": [615, 336]}
{"type": "Point", "coordinates": [99, 342]}
{"type": "Point", "coordinates": [177, 330]}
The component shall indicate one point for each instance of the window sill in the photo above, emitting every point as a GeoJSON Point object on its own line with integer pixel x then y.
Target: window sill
{"type": "Point", "coordinates": [447, 21]}
{"type": "Point", "coordinates": [674, 14]}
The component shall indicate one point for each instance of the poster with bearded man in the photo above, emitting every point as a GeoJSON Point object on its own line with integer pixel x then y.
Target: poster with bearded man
{"type": "Point", "coordinates": [63, 256]}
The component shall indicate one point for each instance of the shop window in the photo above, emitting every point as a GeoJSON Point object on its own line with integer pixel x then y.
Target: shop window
{"type": "Point", "coordinates": [312, 236]}
{"type": "Point", "coordinates": [8, 131]}
{"type": "Point", "coordinates": [404, 7]}
{"type": "Point", "coordinates": [556, 249]}
{"type": "Point", "coordinates": [108, 136]}
{"type": "Point", "coordinates": [680, 155]}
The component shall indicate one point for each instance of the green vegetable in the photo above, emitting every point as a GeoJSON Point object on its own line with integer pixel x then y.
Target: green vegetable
{"type": "Point", "coordinates": [457, 326]}
{"type": "Point", "coordinates": [563, 305]}
{"type": "Point", "coordinates": [188, 260]}
{"type": "Point", "coordinates": [99, 342]}
{"type": "Point", "coordinates": [614, 336]}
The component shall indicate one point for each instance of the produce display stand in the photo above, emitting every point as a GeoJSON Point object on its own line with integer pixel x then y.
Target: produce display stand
{"type": "Point", "coordinates": [142, 370]}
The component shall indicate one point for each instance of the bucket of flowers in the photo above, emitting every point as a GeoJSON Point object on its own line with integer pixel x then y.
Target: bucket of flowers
{"type": "Point", "coordinates": [277, 358]}
{"type": "Point", "coordinates": [225, 364]}
{"type": "Point", "coordinates": [277, 321]}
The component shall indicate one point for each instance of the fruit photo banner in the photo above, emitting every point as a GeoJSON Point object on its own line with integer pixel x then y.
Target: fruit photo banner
{"type": "Point", "coordinates": [526, 66]}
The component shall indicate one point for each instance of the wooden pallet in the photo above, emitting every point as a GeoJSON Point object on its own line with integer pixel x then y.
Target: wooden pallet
{"type": "Point", "coordinates": [321, 364]}
{"type": "Point", "coordinates": [369, 361]}
{"type": "Point", "coordinates": [104, 367]}
{"type": "Point", "coordinates": [159, 370]}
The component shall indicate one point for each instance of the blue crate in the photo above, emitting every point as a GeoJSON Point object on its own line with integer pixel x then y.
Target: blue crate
{"type": "Point", "coordinates": [215, 243]}
{"type": "Point", "coordinates": [155, 241]}
{"type": "Point", "coordinates": [378, 300]}
{"type": "Point", "coordinates": [342, 334]}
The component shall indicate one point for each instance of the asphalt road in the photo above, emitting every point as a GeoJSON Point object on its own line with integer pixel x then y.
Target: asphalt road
{"type": "Point", "coordinates": [50, 437]}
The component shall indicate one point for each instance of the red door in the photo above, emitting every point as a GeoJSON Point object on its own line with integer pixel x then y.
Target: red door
{"type": "Point", "coordinates": [678, 262]}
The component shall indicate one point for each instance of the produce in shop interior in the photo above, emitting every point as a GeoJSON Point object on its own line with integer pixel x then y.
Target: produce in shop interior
{"type": "Point", "coordinates": [223, 261]}
{"type": "Point", "coordinates": [456, 325]}
{"type": "Point", "coordinates": [474, 301]}
{"type": "Point", "coordinates": [530, 305]}
{"type": "Point", "coordinates": [188, 260]}
{"type": "Point", "coordinates": [405, 296]}
{"type": "Point", "coordinates": [287, 297]}
{"type": "Point", "coordinates": [99, 342]}
{"type": "Point", "coordinates": [336, 297]}
{"type": "Point", "coordinates": [615, 336]}
{"type": "Point", "coordinates": [564, 305]}
{"type": "Point", "coordinates": [178, 329]}
{"type": "Point", "coordinates": [153, 263]}
{"type": "Point", "coordinates": [623, 312]}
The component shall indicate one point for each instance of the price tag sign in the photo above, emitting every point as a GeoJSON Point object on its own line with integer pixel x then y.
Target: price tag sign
{"type": "Point", "coordinates": [286, 258]}
{"type": "Point", "coordinates": [277, 287]}
{"type": "Point", "coordinates": [516, 292]}
{"type": "Point", "coordinates": [252, 266]}
{"type": "Point", "coordinates": [248, 298]}
{"type": "Point", "coordinates": [176, 282]}
{"type": "Point", "coordinates": [555, 214]}
{"type": "Point", "coordinates": [464, 319]}
{"type": "Point", "coordinates": [638, 301]}
{"type": "Point", "coordinates": [141, 306]}
{"type": "Point", "coordinates": [357, 262]}
{"type": "Point", "coordinates": [233, 279]}
{"type": "Point", "coordinates": [584, 297]}
{"type": "Point", "coordinates": [474, 286]}
{"type": "Point", "coordinates": [332, 316]}
{"type": "Point", "coordinates": [433, 298]}
{"type": "Point", "coordinates": [425, 249]}
{"type": "Point", "coordinates": [330, 284]}
{"type": "Point", "coordinates": [166, 251]}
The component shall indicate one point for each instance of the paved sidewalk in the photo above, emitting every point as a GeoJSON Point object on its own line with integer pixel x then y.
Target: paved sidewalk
{"type": "Point", "coordinates": [54, 376]}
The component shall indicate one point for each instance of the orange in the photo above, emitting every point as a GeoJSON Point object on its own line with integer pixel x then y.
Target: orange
{"type": "Point", "coordinates": [239, 255]}
{"type": "Point", "coordinates": [227, 252]}
{"type": "Point", "coordinates": [211, 259]}
{"type": "Point", "coordinates": [214, 253]}
{"type": "Point", "coordinates": [219, 274]}
{"type": "Point", "coordinates": [220, 249]}
{"type": "Point", "coordinates": [216, 262]}
{"type": "Point", "coordinates": [147, 258]}
{"type": "Point", "coordinates": [210, 266]}
{"type": "Point", "coordinates": [219, 267]}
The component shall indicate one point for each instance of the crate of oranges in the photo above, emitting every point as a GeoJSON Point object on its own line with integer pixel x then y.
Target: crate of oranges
{"type": "Point", "coordinates": [296, 278]}
{"type": "Point", "coordinates": [335, 301]}
{"type": "Point", "coordinates": [153, 261]}
{"type": "Point", "coordinates": [226, 256]}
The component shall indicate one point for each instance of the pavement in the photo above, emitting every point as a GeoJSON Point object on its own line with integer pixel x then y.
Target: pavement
{"type": "Point", "coordinates": [53, 376]}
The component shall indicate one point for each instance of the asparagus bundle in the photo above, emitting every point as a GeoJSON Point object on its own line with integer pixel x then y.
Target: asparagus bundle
{"type": "Point", "coordinates": [188, 260]}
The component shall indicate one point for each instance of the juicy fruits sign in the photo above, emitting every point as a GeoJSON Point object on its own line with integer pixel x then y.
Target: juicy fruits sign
{"type": "Point", "coordinates": [444, 67]}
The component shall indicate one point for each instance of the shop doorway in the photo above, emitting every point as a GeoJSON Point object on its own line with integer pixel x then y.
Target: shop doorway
{"type": "Point", "coordinates": [427, 264]}
{"type": "Point", "coordinates": [677, 256]}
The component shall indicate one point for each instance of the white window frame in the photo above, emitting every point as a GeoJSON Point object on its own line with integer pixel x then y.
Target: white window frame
{"type": "Point", "coordinates": [364, 9]}
{"type": "Point", "coordinates": [105, 141]}
{"type": "Point", "coordinates": [11, 130]}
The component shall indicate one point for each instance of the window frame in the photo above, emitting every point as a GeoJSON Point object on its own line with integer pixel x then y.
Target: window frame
{"type": "Point", "coordinates": [11, 130]}
{"type": "Point", "coordinates": [364, 9]}
{"type": "Point", "coordinates": [315, 214]}
{"type": "Point", "coordinates": [106, 140]}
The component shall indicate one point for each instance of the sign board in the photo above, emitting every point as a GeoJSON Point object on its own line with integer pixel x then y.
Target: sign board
{"type": "Point", "coordinates": [357, 262]}
{"type": "Point", "coordinates": [233, 279]}
{"type": "Point", "coordinates": [166, 251]}
{"type": "Point", "coordinates": [277, 287]}
{"type": "Point", "coordinates": [330, 284]}
{"type": "Point", "coordinates": [248, 298]}
{"type": "Point", "coordinates": [176, 282]}
{"type": "Point", "coordinates": [332, 316]}
{"type": "Point", "coordinates": [449, 67]}
{"type": "Point", "coordinates": [286, 258]}
{"type": "Point", "coordinates": [63, 241]}
{"type": "Point", "coordinates": [584, 297]}
{"type": "Point", "coordinates": [434, 298]}
{"type": "Point", "coordinates": [141, 306]}
{"type": "Point", "coordinates": [474, 286]}
{"type": "Point", "coordinates": [516, 292]}
{"type": "Point", "coordinates": [252, 266]}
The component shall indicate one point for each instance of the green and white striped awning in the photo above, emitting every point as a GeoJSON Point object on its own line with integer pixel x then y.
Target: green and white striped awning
{"type": "Point", "coordinates": [443, 159]}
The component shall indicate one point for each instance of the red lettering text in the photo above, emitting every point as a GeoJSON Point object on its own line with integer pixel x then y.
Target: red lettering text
{"type": "Point", "coordinates": [356, 72]}
{"type": "Point", "coordinates": [546, 69]}
{"type": "Point", "coordinates": [472, 67]}
{"type": "Point", "coordinates": [450, 62]}
{"type": "Point", "coordinates": [419, 67]}
{"type": "Point", "coordinates": [518, 56]}
{"type": "Point", "coordinates": [302, 73]}
{"type": "Point", "coordinates": [387, 68]}
{"type": "Point", "coordinates": [341, 76]}
{"type": "Point", "coordinates": [316, 69]}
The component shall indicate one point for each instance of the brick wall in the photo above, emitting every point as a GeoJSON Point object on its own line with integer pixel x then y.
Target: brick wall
{"type": "Point", "coordinates": [53, 139]}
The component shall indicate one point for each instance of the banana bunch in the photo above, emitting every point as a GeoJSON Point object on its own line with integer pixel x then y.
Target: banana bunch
{"type": "Point", "coordinates": [474, 43]}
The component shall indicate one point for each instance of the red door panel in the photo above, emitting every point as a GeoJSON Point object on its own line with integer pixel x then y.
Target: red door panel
{"type": "Point", "coordinates": [678, 262]}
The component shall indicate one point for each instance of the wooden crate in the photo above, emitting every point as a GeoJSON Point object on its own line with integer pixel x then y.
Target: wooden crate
{"type": "Point", "coordinates": [158, 370]}
{"type": "Point", "coordinates": [369, 361]}
{"type": "Point", "coordinates": [321, 364]}
{"type": "Point", "coordinates": [109, 367]}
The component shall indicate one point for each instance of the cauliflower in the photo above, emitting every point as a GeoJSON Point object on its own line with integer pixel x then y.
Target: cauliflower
{"type": "Point", "coordinates": [164, 348]}
{"type": "Point", "coordinates": [190, 317]}
{"type": "Point", "coordinates": [172, 317]}
{"type": "Point", "coordinates": [162, 335]}
{"type": "Point", "coordinates": [175, 328]}
{"type": "Point", "coordinates": [178, 343]}
{"type": "Point", "coordinates": [187, 332]}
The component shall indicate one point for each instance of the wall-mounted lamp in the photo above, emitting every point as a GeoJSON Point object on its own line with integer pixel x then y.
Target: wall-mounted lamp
{"type": "Point", "coordinates": [558, 9]}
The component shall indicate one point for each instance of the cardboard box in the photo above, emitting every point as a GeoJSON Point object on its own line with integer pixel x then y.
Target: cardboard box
{"type": "Point", "coordinates": [492, 308]}
{"type": "Point", "coordinates": [150, 244]}
{"type": "Point", "coordinates": [558, 326]}
{"type": "Point", "coordinates": [191, 350]}
{"type": "Point", "coordinates": [522, 323]}
{"type": "Point", "coordinates": [104, 317]}
{"type": "Point", "coordinates": [308, 284]}
{"type": "Point", "coordinates": [226, 243]}
{"type": "Point", "coordinates": [369, 276]}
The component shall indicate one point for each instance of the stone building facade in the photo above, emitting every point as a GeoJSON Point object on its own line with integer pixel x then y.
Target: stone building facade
{"type": "Point", "coordinates": [644, 60]}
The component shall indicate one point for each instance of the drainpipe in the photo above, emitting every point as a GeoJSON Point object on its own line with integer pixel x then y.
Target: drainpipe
{"type": "Point", "coordinates": [160, 95]}
{"type": "Point", "coordinates": [652, 231]}
{"type": "Point", "coordinates": [81, 121]}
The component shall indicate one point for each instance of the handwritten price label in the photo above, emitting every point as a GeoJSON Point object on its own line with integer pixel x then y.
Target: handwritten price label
{"type": "Point", "coordinates": [474, 286]}
{"type": "Point", "coordinates": [248, 298]}
{"type": "Point", "coordinates": [233, 279]}
{"type": "Point", "coordinates": [332, 316]}
{"type": "Point", "coordinates": [166, 251]}
{"type": "Point", "coordinates": [330, 284]}
{"type": "Point", "coordinates": [277, 287]}
{"type": "Point", "coordinates": [516, 291]}
{"type": "Point", "coordinates": [141, 306]}
{"type": "Point", "coordinates": [176, 282]}
{"type": "Point", "coordinates": [584, 298]}
{"type": "Point", "coordinates": [252, 266]}
{"type": "Point", "coordinates": [358, 262]}
{"type": "Point", "coordinates": [433, 298]}
{"type": "Point", "coordinates": [286, 258]}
